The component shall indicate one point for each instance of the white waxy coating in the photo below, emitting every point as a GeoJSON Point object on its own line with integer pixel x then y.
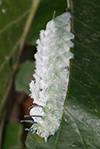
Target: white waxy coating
{"type": "Point", "coordinates": [51, 75]}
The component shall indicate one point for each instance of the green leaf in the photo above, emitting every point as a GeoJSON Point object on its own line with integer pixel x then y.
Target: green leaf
{"type": "Point", "coordinates": [12, 136]}
{"type": "Point", "coordinates": [24, 76]}
{"type": "Point", "coordinates": [13, 15]}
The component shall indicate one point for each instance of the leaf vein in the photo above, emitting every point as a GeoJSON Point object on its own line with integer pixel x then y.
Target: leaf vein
{"type": "Point", "coordinates": [14, 22]}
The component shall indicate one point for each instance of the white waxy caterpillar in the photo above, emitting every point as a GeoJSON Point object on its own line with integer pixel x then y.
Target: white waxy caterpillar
{"type": "Point", "coordinates": [51, 76]}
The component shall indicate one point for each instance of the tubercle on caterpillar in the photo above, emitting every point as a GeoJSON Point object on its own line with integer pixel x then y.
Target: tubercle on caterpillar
{"type": "Point", "coordinates": [51, 76]}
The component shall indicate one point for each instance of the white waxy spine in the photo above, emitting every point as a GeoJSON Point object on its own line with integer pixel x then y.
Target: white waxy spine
{"type": "Point", "coordinates": [51, 75]}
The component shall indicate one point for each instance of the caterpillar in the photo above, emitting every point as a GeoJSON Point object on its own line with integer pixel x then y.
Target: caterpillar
{"type": "Point", "coordinates": [51, 76]}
